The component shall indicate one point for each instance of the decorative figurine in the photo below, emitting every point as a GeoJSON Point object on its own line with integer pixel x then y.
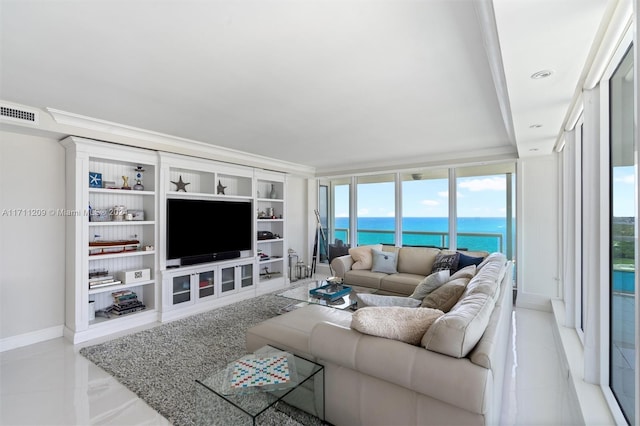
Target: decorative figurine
{"type": "Point", "coordinates": [139, 186]}
{"type": "Point", "coordinates": [125, 182]}
{"type": "Point", "coordinates": [221, 188]}
{"type": "Point", "coordinates": [181, 185]}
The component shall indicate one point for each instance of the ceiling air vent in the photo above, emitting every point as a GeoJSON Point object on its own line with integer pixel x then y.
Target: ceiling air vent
{"type": "Point", "coordinates": [18, 115]}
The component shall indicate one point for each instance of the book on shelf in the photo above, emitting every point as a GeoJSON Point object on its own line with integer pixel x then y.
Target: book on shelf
{"type": "Point", "coordinates": [101, 279]}
{"type": "Point", "coordinates": [103, 284]}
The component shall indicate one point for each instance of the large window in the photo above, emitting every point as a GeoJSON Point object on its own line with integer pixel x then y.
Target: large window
{"type": "Point", "coordinates": [376, 210]}
{"type": "Point", "coordinates": [416, 208]}
{"type": "Point", "coordinates": [485, 213]}
{"type": "Point", "coordinates": [425, 208]}
{"type": "Point", "coordinates": [622, 348]}
{"type": "Point", "coordinates": [339, 220]}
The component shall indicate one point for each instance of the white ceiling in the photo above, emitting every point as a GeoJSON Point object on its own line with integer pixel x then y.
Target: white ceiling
{"type": "Point", "coordinates": [336, 85]}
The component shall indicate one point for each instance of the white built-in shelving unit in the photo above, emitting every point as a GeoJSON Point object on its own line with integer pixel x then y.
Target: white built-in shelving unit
{"type": "Point", "coordinates": [170, 291]}
{"type": "Point", "coordinates": [83, 157]}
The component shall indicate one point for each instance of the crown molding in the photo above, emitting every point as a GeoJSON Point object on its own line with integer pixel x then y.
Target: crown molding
{"type": "Point", "coordinates": [177, 145]}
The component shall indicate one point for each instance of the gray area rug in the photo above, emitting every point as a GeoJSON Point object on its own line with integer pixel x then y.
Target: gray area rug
{"type": "Point", "coordinates": [161, 364]}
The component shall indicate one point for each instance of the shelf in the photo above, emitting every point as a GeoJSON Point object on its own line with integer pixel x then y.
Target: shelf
{"type": "Point", "coordinates": [117, 287]}
{"type": "Point", "coordinates": [272, 260]}
{"type": "Point", "coordinates": [120, 191]}
{"type": "Point", "coordinates": [123, 223]}
{"type": "Point", "coordinates": [269, 200]}
{"type": "Point", "coordinates": [103, 320]}
{"type": "Point", "coordinates": [206, 195]}
{"type": "Point", "coordinates": [119, 255]}
{"type": "Point", "coordinates": [272, 240]}
{"type": "Point", "coordinates": [271, 220]}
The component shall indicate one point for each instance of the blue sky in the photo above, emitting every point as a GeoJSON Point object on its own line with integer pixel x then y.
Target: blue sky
{"type": "Point", "coordinates": [480, 196]}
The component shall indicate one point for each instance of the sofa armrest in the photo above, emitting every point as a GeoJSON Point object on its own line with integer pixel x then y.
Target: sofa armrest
{"type": "Point", "coordinates": [340, 265]}
{"type": "Point", "coordinates": [455, 381]}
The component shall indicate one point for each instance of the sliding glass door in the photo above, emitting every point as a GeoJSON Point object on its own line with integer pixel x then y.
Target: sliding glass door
{"type": "Point", "coordinates": [622, 347]}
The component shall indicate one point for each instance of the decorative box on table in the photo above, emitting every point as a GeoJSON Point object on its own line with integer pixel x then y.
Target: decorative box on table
{"type": "Point", "coordinates": [330, 291]}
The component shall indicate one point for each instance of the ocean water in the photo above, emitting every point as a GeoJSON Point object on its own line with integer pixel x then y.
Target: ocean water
{"type": "Point", "coordinates": [474, 233]}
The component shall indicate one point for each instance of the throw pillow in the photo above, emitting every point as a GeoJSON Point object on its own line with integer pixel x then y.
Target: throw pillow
{"type": "Point", "coordinates": [430, 283]}
{"type": "Point", "coordinates": [446, 296]}
{"type": "Point", "coordinates": [362, 256]}
{"type": "Point", "coordinates": [367, 299]}
{"type": "Point", "coordinates": [384, 261]}
{"type": "Point", "coordinates": [466, 272]}
{"type": "Point", "coordinates": [445, 261]}
{"type": "Point", "coordinates": [464, 260]}
{"type": "Point", "coordinates": [398, 323]}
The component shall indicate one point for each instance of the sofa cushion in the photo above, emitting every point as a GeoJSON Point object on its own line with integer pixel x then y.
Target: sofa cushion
{"type": "Point", "coordinates": [398, 323]}
{"type": "Point", "coordinates": [430, 283]}
{"type": "Point", "coordinates": [446, 296]}
{"type": "Point", "coordinates": [367, 299]}
{"type": "Point", "coordinates": [364, 278]}
{"type": "Point", "coordinates": [400, 283]}
{"type": "Point", "coordinates": [464, 260]}
{"type": "Point", "coordinates": [458, 331]}
{"type": "Point", "coordinates": [416, 260]}
{"type": "Point", "coordinates": [445, 261]}
{"type": "Point", "coordinates": [362, 256]}
{"type": "Point", "coordinates": [384, 261]}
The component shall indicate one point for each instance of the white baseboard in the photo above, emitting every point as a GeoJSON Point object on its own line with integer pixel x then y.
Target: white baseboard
{"type": "Point", "coordinates": [30, 338]}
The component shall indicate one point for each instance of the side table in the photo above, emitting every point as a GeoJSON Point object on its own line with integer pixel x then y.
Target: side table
{"type": "Point", "coordinates": [216, 404]}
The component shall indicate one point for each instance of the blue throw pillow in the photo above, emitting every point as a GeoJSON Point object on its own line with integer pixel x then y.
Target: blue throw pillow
{"type": "Point", "coordinates": [384, 261]}
{"type": "Point", "coordinates": [464, 260]}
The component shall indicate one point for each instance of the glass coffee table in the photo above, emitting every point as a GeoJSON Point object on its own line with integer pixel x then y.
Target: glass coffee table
{"type": "Point", "coordinates": [220, 399]}
{"type": "Point", "coordinates": [303, 296]}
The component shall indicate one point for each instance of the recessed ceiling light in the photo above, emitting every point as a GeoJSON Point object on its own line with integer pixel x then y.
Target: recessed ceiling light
{"type": "Point", "coordinates": [541, 74]}
{"type": "Point", "coordinates": [533, 149]}
{"type": "Point", "coordinates": [535, 126]}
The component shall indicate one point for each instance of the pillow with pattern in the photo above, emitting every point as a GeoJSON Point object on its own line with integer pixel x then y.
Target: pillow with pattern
{"type": "Point", "coordinates": [445, 261]}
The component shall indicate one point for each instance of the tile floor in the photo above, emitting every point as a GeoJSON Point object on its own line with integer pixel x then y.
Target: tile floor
{"type": "Point", "coordinates": [49, 383]}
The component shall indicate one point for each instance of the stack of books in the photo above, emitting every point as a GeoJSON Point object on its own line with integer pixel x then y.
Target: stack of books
{"type": "Point", "coordinates": [125, 302]}
{"type": "Point", "coordinates": [101, 278]}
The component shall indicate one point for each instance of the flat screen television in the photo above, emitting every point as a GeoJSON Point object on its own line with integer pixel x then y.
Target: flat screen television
{"type": "Point", "coordinates": [200, 231]}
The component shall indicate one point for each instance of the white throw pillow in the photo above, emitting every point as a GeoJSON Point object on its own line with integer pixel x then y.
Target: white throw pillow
{"type": "Point", "coordinates": [430, 283]}
{"type": "Point", "coordinates": [398, 323]}
{"type": "Point", "coordinates": [367, 299]}
{"type": "Point", "coordinates": [384, 261]}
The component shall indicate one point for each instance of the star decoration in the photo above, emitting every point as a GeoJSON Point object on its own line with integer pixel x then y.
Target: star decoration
{"type": "Point", "coordinates": [181, 185]}
{"type": "Point", "coordinates": [221, 188]}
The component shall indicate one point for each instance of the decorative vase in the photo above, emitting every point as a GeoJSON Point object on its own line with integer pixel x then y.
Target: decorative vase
{"type": "Point", "coordinates": [273, 193]}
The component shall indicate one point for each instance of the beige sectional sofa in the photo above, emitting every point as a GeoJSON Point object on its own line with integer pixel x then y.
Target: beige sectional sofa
{"type": "Point", "coordinates": [413, 265]}
{"type": "Point", "coordinates": [454, 376]}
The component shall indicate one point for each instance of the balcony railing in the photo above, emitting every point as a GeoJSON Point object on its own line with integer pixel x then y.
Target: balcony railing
{"type": "Point", "coordinates": [481, 241]}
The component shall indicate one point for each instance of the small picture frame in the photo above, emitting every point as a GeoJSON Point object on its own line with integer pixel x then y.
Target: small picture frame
{"type": "Point", "coordinates": [95, 180]}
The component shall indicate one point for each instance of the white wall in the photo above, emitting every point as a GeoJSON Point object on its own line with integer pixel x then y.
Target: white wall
{"type": "Point", "coordinates": [32, 247]}
{"type": "Point", "coordinates": [296, 218]}
{"type": "Point", "coordinates": [538, 232]}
